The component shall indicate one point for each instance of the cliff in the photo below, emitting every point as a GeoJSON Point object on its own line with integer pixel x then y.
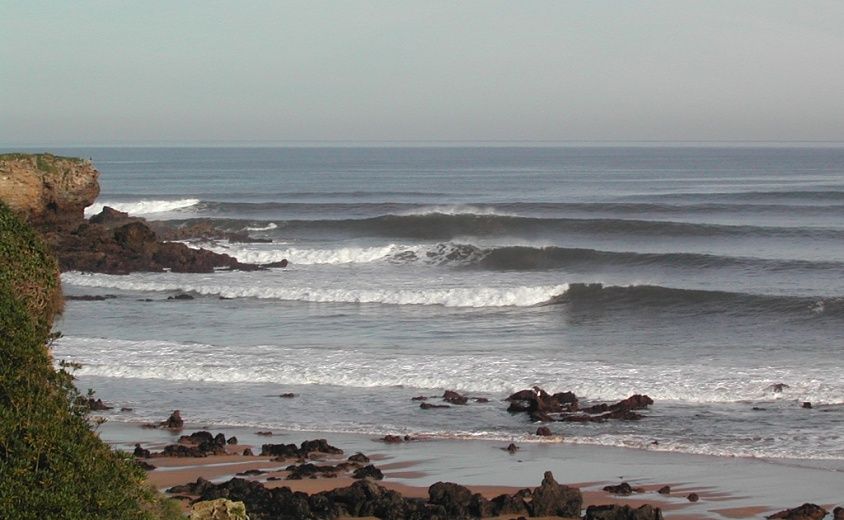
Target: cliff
{"type": "Point", "coordinates": [46, 189]}
{"type": "Point", "coordinates": [51, 193]}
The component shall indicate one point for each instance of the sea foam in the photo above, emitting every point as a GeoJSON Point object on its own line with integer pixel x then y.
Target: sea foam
{"type": "Point", "coordinates": [142, 207]}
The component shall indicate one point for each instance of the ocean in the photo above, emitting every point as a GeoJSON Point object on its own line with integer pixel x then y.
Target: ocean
{"type": "Point", "coordinates": [700, 276]}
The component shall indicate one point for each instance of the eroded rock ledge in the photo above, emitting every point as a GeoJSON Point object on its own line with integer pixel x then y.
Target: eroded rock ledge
{"type": "Point", "coordinates": [52, 192]}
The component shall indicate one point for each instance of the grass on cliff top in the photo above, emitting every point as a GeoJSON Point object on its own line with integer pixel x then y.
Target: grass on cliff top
{"type": "Point", "coordinates": [52, 465]}
{"type": "Point", "coordinates": [43, 161]}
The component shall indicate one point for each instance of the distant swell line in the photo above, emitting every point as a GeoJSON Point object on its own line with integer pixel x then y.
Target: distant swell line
{"type": "Point", "coordinates": [446, 227]}
{"type": "Point", "coordinates": [591, 296]}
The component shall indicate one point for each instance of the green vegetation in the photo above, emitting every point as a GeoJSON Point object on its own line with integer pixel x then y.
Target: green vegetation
{"type": "Point", "coordinates": [43, 161]}
{"type": "Point", "coordinates": [52, 465]}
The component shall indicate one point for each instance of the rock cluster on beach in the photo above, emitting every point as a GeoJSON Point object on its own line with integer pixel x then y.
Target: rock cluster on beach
{"type": "Point", "coordinates": [365, 498]}
{"type": "Point", "coordinates": [52, 192]}
{"type": "Point", "coordinates": [564, 406]}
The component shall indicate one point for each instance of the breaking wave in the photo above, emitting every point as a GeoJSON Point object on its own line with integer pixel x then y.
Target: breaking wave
{"type": "Point", "coordinates": [447, 297]}
{"type": "Point", "coordinates": [143, 207]}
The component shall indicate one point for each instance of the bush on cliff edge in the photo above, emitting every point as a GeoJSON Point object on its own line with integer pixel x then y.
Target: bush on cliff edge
{"type": "Point", "coordinates": [51, 464]}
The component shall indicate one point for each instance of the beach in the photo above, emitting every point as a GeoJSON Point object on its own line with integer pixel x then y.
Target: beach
{"type": "Point", "coordinates": [727, 488]}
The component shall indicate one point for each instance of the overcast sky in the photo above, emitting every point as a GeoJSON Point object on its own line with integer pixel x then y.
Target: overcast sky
{"type": "Point", "coordinates": [175, 71]}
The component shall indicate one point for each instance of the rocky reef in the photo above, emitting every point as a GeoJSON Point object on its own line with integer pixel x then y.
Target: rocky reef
{"type": "Point", "coordinates": [52, 192]}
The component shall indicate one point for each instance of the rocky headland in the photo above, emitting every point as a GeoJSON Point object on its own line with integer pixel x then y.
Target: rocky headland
{"type": "Point", "coordinates": [52, 192]}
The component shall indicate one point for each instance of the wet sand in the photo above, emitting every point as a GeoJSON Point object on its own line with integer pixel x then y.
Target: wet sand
{"type": "Point", "coordinates": [727, 487]}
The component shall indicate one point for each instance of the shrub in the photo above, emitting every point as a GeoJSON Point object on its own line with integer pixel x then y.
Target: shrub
{"type": "Point", "coordinates": [52, 465]}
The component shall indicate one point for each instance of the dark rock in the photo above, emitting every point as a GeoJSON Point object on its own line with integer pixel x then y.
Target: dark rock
{"type": "Point", "coordinates": [308, 470]}
{"type": "Point", "coordinates": [454, 498]}
{"type": "Point", "coordinates": [288, 395]}
{"type": "Point", "coordinates": [265, 434]}
{"type": "Point", "coordinates": [89, 297]}
{"type": "Point", "coordinates": [508, 505]}
{"type": "Point", "coordinates": [180, 296]}
{"type": "Point", "coordinates": [778, 387]}
{"type": "Point", "coordinates": [429, 406]}
{"type": "Point", "coordinates": [194, 488]}
{"type": "Point", "coordinates": [261, 502]}
{"type": "Point", "coordinates": [512, 448]}
{"type": "Point", "coordinates": [481, 399]}
{"type": "Point", "coordinates": [624, 489]}
{"type": "Point", "coordinates": [758, 409]}
{"type": "Point", "coordinates": [281, 451]}
{"type": "Point", "coordinates": [247, 453]}
{"type": "Point", "coordinates": [543, 431]}
{"type": "Point", "coordinates": [359, 458]}
{"type": "Point", "coordinates": [453, 397]}
{"type": "Point", "coordinates": [838, 513]}
{"type": "Point", "coordinates": [363, 498]}
{"type": "Point", "coordinates": [97, 405]}
{"type": "Point", "coordinates": [220, 439]}
{"type": "Point", "coordinates": [693, 497]}
{"type": "Point", "coordinates": [111, 217]}
{"type": "Point", "coordinates": [144, 465]}
{"type": "Point", "coordinates": [807, 404]}
{"type": "Point", "coordinates": [618, 512]}
{"type": "Point", "coordinates": [804, 512]}
{"type": "Point", "coordinates": [369, 471]}
{"type": "Point", "coordinates": [664, 490]}
{"type": "Point", "coordinates": [124, 409]}
{"type": "Point", "coordinates": [250, 473]}
{"type": "Point", "coordinates": [553, 499]}
{"type": "Point", "coordinates": [419, 398]}
{"type": "Point", "coordinates": [232, 440]}
{"type": "Point", "coordinates": [141, 452]}
{"type": "Point", "coordinates": [174, 422]}
{"type": "Point", "coordinates": [318, 446]}
{"type": "Point", "coordinates": [565, 397]}
{"type": "Point", "coordinates": [281, 263]}
{"type": "Point", "coordinates": [395, 439]}
{"type": "Point", "coordinates": [197, 438]}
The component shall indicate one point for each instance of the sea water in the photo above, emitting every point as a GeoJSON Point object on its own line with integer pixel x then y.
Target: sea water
{"type": "Point", "coordinates": [699, 276]}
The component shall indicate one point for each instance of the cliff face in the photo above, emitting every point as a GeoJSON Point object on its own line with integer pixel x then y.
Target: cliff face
{"type": "Point", "coordinates": [48, 190]}
{"type": "Point", "coordinates": [51, 193]}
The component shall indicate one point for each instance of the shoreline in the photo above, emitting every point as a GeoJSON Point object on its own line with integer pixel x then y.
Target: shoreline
{"type": "Point", "coordinates": [728, 487]}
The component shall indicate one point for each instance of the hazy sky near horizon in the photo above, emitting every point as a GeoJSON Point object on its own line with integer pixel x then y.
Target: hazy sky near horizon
{"type": "Point", "coordinates": [105, 72]}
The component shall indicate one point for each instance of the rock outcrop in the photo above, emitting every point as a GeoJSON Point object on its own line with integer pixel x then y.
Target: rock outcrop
{"type": "Point", "coordinates": [51, 193]}
{"type": "Point", "coordinates": [46, 189]}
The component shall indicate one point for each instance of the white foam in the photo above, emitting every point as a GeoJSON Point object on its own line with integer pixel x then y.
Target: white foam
{"type": "Point", "coordinates": [264, 254]}
{"type": "Point", "coordinates": [268, 227]}
{"type": "Point", "coordinates": [491, 373]}
{"type": "Point", "coordinates": [451, 209]}
{"type": "Point", "coordinates": [142, 207]}
{"type": "Point", "coordinates": [448, 297]}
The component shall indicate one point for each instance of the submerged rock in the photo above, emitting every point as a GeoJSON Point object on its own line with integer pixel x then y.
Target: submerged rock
{"type": "Point", "coordinates": [618, 512]}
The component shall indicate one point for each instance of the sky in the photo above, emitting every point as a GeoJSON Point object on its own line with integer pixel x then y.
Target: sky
{"type": "Point", "coordinates": [134, 72]}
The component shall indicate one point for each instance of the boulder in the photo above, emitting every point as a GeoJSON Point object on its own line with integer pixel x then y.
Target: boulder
{"type": "Point", "coordinates": [454, 498]}
{"type": "Point", "coordinates": [452, 397]}
{"type": "Point", "coordinates": [838, 513]}
{"type": "Point", "coordinates": [219, 509]}
{"type": "Point", "coordinates": [553, 499]}
{"type": "Point", "coordinates": [369, 471]}
{"type": "Point", "coordinates": [140, 452]}
{"type": "Point", "coordinates": [174, 422]}
{"type": "Point", "coordinates": [429, 406]}
{"type": "Point", "coordinates": [543, 431]}
{"type": "Point", "coordinates": [804, 512]}
{"type": "Point", "coordinates": [624, 489]}
{"type": "Point", "coordinates": [618, 512]}
{"type": "Point", "coordinates": [359, 458]}
{"type": "Point", "coordinates": [318, 446]}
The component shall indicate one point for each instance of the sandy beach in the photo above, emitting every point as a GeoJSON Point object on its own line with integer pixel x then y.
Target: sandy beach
{"type": "Point", "coordinates": [726, 487]}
